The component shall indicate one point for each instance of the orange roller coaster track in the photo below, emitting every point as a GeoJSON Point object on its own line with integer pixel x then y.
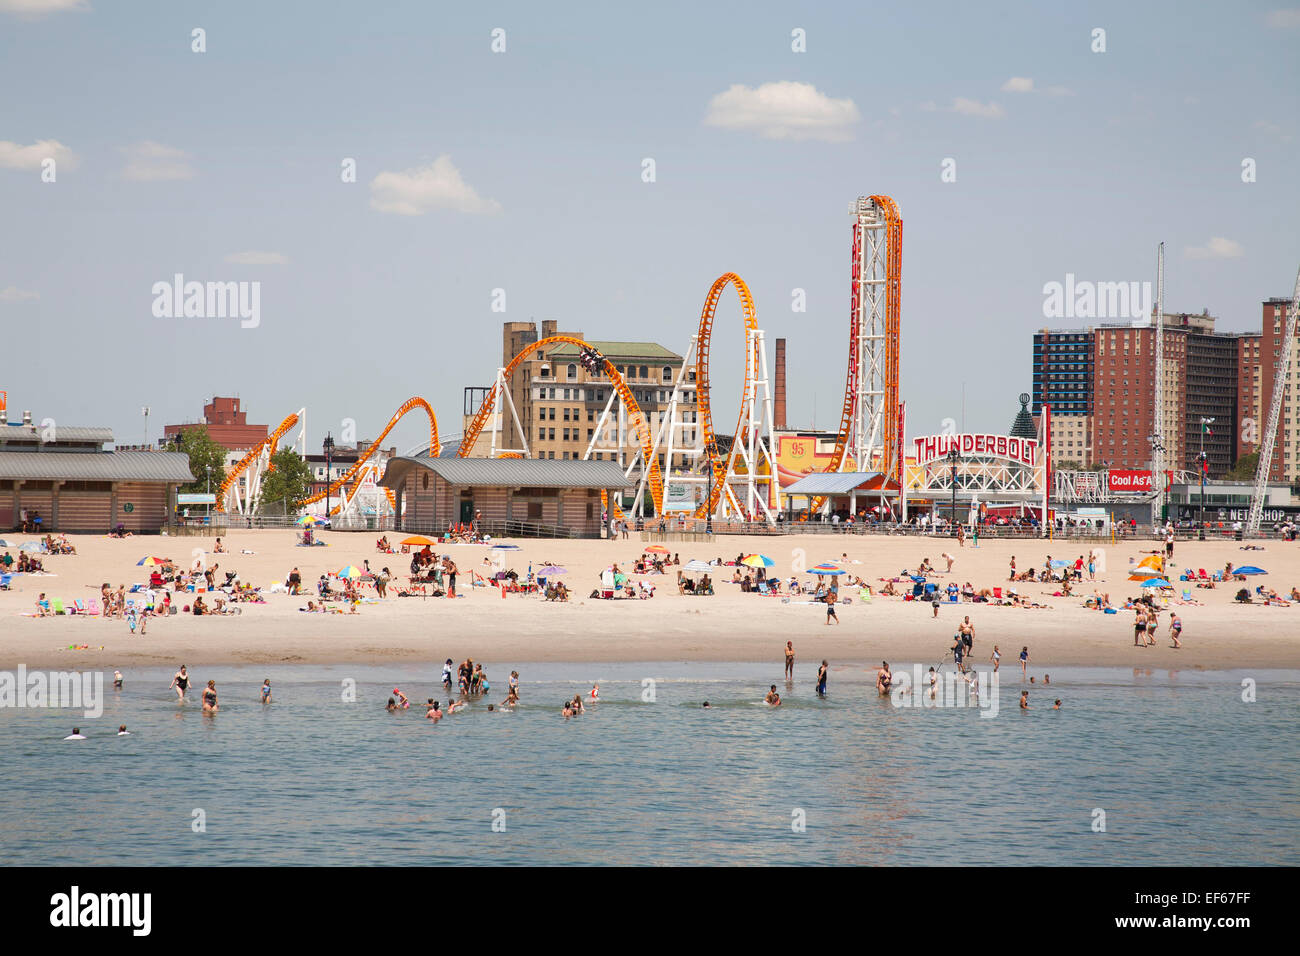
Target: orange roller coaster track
{"type": "Point", "coordinates": [721, 465]}
{"type": "Point", "coordinates": [268, 444]}
{"type": "Point", "coordinates": [635, 417]}
{"type": "Point", "coordinates": [354, 473]}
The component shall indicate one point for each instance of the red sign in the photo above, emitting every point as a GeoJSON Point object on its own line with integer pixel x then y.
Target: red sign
{"type": "Point", "coordinates": [1134, 481]}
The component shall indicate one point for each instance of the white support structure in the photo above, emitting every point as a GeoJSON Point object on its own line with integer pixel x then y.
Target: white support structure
{"type": "Point", "coordinates": [870, 250]}
{"type": "Point", "coordinates": [246, 502]}
{"type": "Point", "coordinates": [611, 435]}
{"type": "Point", "coordinates": [1280, 385]}
{"type": "Point", "coordinates": [1158, 435]}
{"type": "Point", "coordinates": [752, 448]}
{"type": "Point", "coordinates": [502, 401]}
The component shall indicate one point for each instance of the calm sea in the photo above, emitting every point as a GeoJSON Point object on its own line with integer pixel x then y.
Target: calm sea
{"type": "Point", "coordinates": [1184, 770]}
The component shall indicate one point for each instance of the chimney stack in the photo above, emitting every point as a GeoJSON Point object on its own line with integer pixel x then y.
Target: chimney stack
{"type": "Point", "coordinates": [778, 403]}
{"type": "Point", "coordinates": [27, 418]}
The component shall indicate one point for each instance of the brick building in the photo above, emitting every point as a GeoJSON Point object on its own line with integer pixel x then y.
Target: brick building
{"type": "Point", "coordinates": [227, 425]}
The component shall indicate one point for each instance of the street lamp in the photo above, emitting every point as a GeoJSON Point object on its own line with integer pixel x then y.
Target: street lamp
{"type": "Point", "coordinates": [954, 457]}
{"type": "Point", "coordinates": [708, 505]}
{"type": "Point", "coordinates": [329, 458]}
{"type": "Point", "coordinates": [1205, 467]}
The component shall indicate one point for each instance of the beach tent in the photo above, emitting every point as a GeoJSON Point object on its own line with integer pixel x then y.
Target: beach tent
{"type": "Point", "coordinates": [1144, 574]}
{"type": "Point", "coordinates": [697, 567]}
{"type": "Point", "coordinates": [1153, 561]}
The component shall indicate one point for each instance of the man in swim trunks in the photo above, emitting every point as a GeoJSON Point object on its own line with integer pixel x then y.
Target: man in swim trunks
{"type": "Point", "coordinates": [957, 648]}
{"type": "Point", "coordinates": [773, 698]}
{"type": "Point", "coordinates": [821, 679]}
{"type": "Point", "coordinates": [789, 660]}
{"type": "Point", "coordinates": [967, 631]}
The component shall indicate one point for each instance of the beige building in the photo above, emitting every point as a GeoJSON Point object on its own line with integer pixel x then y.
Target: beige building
{"type": "Point", "coordinates": [559, 402]}
{"type": "Point", "coordinates": [1071, 441]}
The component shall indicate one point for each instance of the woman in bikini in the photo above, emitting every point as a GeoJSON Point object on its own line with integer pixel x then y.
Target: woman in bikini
{"type": "Point", "coordinates": [1139, 627]}
{"type": "Point", "coordinates": [884, 679]}
{"type": "Point", "coordinates": [1153, 625]}
{"type": "Point", "coordinates": [1175, 629]}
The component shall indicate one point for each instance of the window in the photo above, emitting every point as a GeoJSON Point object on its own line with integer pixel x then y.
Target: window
{"type": "Point", "coordinates": [552, 413]}
{"type": "Point", "coordinates": [572, 372]}
{"type": "Point", "coordinates": [541, 414]}
{"type": "Point", "coordinates": [535, 507]}
{"type": "Point", "coordinates": [668, 373]}
{"type": "Point", "coordinates": [645, 372]}
{"type": "Point", "coordinates": [566, 416]}
{"type": "Point", "coordinates": [544, 372]}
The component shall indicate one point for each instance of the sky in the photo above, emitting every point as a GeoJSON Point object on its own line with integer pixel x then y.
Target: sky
{"type": "Point", "coordinates": [504, 146]}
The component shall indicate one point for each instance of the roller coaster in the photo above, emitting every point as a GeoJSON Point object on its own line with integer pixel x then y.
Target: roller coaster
{"type": "Point", "coordinates": [742, 476]}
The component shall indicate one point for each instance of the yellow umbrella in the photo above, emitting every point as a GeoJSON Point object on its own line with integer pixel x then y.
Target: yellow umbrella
{"type": "Point", "coordinates": [419, 540]}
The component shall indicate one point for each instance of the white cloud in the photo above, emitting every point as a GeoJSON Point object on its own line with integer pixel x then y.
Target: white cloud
{"type": "Point", "coordinates": [976, 108]}
{"type": "Point", "coordinates": [1018, 84]}
{"type": "Point", "coordinates": [30, 9]}
{"type": "Point", "coordinates": [1284, 18]}
{"type": "Point", "coordinates": [15, 294]}
{"type": "Point", "coordinates": [1216, 248]}
{"type": "Point", "coordinates": [148, 161]}
{"type": "Point", "coordinates": [255, 258]}
{"type": "Point", "coordinates": [413, 192]}
{"type": "Point", "coordinates": [14, 156]}
{"type": "Point", "coordinates": [784, 110]}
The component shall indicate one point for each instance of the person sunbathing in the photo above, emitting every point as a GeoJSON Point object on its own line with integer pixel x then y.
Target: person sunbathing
{"type": "Point", "coordinates": [1295, 594]}
{"type": "Point", "coordinates": [889, 590]}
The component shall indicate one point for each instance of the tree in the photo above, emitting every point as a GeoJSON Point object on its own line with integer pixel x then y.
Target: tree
{"type": "Point", "coordinates": [1067, 466]}
{"type": "Point", "coordinates": [286, 484]}
{"type": "Point", "coordinates": [1244, 468]}
{"type": "Point", "coordinates": [207, 460]}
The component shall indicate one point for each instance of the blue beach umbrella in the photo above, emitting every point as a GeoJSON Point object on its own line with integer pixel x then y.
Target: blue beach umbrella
{"type": "Point", "coordinates": [1249, 569]}
{"type": "Point", "coordinates": [1058, 563]}
{"type": "Point", "coordinates": [1156, 583]}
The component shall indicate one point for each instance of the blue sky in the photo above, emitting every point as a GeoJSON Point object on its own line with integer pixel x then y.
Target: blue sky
{"type": "Point", "coordinates": [522, 170]}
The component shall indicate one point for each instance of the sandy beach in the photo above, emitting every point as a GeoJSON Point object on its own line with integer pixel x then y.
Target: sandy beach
{"type": "Point", "coordinates": [730, 626]}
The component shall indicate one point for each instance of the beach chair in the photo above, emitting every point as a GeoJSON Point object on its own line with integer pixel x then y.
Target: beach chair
{"type": "Point", "coordinates": [762, 588]}
{"type": "Point", "coordinates": [864, 595]}
{"type": "Point", "coordinates": [997, 594]}
{"type": "Point", "coordinates": [5, 580]}
{"type": "Point", "coordinates": [1187, 595]}
{"type": "Point", "coordinates": [94, 608]}
{"type": "Point", "coordinates": [57, 605]}
{"type": "Point", "coordinates": [1202, 575]}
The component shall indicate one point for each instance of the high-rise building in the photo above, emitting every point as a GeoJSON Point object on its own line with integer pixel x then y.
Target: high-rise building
{"type": "Point", "coordinates": [1123, 422]}
{"type": "Point", "coordinates": [559, 402]}
{"type": "Point", "coordinates": [1250, 397]}
{"type": "Point", "coordinates": [1285, 465]}
{"type": "Point", "coordinates": [1063, 379]}
{"type": "Point", "coordinates": [227, 425]}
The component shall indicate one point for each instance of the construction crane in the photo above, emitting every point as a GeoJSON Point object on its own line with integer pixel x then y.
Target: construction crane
{"type": "Point", "coordinates": [1274, 412]}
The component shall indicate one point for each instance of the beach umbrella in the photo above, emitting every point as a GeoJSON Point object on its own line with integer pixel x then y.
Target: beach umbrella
{"type": "Point", "coordinates": [1156, 583]}
{"type": "Point", "coordinates": [6, 544]}
{"type": "Point", "coordinates": [505, 547]}
{"type": "Point", "coordinates": [1154, 561]}
{"type": "Point", "coordinates": [757, 561]}
{"type": "Point", "coordinates": [308, 519]}
{"type": "Point", "coordinates": [29, 546]}
{"type": "Point", "coordinates": [550, 571]}
{"type": "Point", "coordinates": [1249, 569]}
{"type": "Point", "coordinates": [697, 566]}
{"type": "Point", "coordinates": [148, 562]}
{"type": "Point", "coordinates": [1139, 576]}
{"type": "Point", "coordinates": [657, 549]}
{"type": "Point", "coordinates": [1058, 563]}
{"type": "Point", "coordinates": [418, 540]}
{"type": "Point", "coordinates": [351, 571]}
{"type": "Point", "coordinates": [827, 568]}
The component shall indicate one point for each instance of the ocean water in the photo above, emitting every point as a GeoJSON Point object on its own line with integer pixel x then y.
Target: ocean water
{"type": "Point", "coordinates": [1184, 770]}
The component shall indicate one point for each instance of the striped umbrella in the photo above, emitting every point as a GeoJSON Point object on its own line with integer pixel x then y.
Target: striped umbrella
{"type": "Point", "coordinates": [697, 567]}
{"type": "Point", "coordinates": [757, 561]}
{"type": "Point", "coordinates": [351, 571]}
{"type": "Point", "coordinates": [827, 567]}
{"type": "Point", "coordinates": [149, 562]}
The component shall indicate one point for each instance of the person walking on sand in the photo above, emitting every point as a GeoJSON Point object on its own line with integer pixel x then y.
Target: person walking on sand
{"type": "Point", "coordinates": [830, 609]}
{"type": "Point", "coordinates": [1175, 629]}
{"type": "Point", "coordinates": [1153, 625]}
{"type": "Point", "coordinates": [1024, 661]}
{"type": "Point", "coordinates": [1013, 568]}
{"type": "Point", "coordinates": [789, 661]}
{"type": "Point", "coordinates": [1139, 627]}
{"type": "Point", "coordinates": [995, 658]}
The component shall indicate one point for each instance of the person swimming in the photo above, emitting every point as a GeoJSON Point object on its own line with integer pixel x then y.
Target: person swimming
{"type": "Point", "coordinates": [567, 710]}
{"type": "Point", "coordinates": [707, 705]}
{"type": "Point", "coordinates": [75, 735]}
{"type": "Point", "coordinates": [122, 731]}
{"type": "Point", "coordinates": [392, 705]}
{"type": "Point", "coordinates": [433, 713]}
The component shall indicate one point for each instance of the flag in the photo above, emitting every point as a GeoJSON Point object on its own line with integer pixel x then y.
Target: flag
{"type": "Point", "coordinates": [1207, 429]}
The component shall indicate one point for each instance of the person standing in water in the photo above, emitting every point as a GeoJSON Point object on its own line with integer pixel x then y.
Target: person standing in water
{"type": "Point", "coordinates": [210, 705]}
{"type": "Point", "coordinates": [1024, 661]}
{"type": "Point", "coordinates": [181, 682]}
{"type": "Point", "coordinates": [995, 658]}
{"type": "Point", "coordinates": [789, 661]}
{"type": "Point", "coordinates": [266, 691]}
{"type": "Point", "coordinates": [821, 679]}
